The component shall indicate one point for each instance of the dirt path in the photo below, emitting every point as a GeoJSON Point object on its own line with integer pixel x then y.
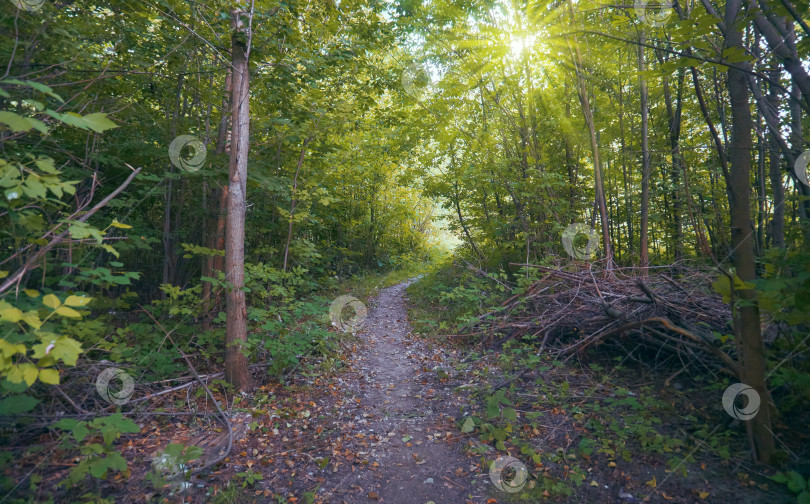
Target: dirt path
{"type": "Point", "coordinates": [399, 418]}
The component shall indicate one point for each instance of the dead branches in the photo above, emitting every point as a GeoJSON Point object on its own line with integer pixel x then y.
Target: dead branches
{"type": "Point", "coordinates": [574, 311]}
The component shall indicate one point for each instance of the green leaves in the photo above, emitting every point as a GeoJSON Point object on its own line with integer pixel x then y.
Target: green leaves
{"type": "Point", "coordinates": [97, 459]}
{"type": "Point", "coordinates": [468, 426]}
{"type": "Point", "coordinates": [97, 122]}
{"type": "Point", "coordinates": [796, 483]}
{"type": "Point", "coordinates": [31, 179]}
{"type": "Point", "coordinates": [736, 55]}
{"type": "Point", "coordinates": [17, 404]}
{"type": "Point", "coordinates": [723, 286]}
{"type": "Point", "coordinates": [110, 427]}
{"type": "Point", "coordinates": [18, 123]}
{"type": "Point", "coordinates": [81, 230]}
{"type": "Point", "coordinates": [32, 84]}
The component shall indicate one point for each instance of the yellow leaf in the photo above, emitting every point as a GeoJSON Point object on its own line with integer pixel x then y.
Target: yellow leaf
{"type": "Point", "coordinates": [51, 301]}
{"type": "Point", "coordinates": [117, 224]}
{"type": "Point", "coordinates": [10, 313]}
{"type": "Point", "coordinates": [7, 349]}
{"type": "Point", "coordinates": [32, 293]}
{"type": "Point", "coordinates": [31, 318]}
{"type": "Point", "coordinates": [68, 312]}
{"type": "Point", "coordinates": [77, 300]}
{"type": "Point", "coordinates": [3, 274]}
{"type": "Point", "coordinates": [652, 483]}
{"type": "Point", "coordinates": [703, 495]}
{"type": "Point", "coordinates": [49, 376]}
{"type": "Point", "coordinates": [29, 372]}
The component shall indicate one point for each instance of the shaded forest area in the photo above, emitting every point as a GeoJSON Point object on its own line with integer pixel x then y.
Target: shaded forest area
{"type": "Point", "coordinates": [606, 205]}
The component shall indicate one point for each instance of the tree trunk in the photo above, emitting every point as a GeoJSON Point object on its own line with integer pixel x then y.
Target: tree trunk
{"type": "Point", "coordinates": [169, 254]}
{"type": "Point", "coordinates": [674, 120]}
{"type": "Point", "coordinates": [782, 47]}
{"type": "Point", "coordinates": [236, 362]}
{"type": "Point", "coordinates": [218, 203]}
{"type": "Point", "coordinates": [628, 202]}
{"type": "Point", "coordinates": [645, 161]}
{"type": "Point", "coordinates": [775, 174]}
{"type": "Point", "coordinates": [747, 324]}
{"type": "Point", "coordinates": [597, 168]}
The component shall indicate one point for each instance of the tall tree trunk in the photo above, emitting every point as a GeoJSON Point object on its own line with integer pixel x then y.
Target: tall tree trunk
{"type": "Point", "coordinates": [597, 168]}
{"type": "Point", "coordinates": [783, 47]}
{"type": "Point", "coordinates": [645, 160]}
{"type": "Point", "coordinates": [237, 371]}
{"type": "Point", "coordinates": [775, 173]}
{"type": "Point", "coordinates": [628, 202]}
{"type": "Point", "coordinates": [674, 120]}
{"type": "Point", "coordinates": [747, 324]}
{"type": "Point", "coordinates": [218, 202]}
{"type": "Point", "coordinates": [169, 255]}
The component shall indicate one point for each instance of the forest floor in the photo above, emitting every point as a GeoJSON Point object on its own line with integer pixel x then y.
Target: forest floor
{"type": "Point", "coordinates": [384, 427]}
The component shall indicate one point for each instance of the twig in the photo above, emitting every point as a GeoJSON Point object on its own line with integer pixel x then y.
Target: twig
{"type": "Point", "coordinates": [17, 276]}
{"type": "Point", "coordinates": [226, 421]}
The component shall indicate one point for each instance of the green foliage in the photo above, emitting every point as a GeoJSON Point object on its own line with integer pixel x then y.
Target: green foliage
{"type": "Point", "coordinates": [96, 458]}
{"type": "Point", "coordinates": [172, 462]}
{"type": "Point", "coordinates": [796, 483]}
{"type": "Point", "coordinates": [249, 477]}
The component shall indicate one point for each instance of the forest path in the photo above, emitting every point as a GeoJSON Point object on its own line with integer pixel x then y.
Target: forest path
{"type": "Point", "coordinates": [399, 417]}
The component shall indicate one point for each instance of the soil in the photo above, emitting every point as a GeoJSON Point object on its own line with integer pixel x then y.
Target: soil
{"type": "Point", "coordinates": [402, 417]}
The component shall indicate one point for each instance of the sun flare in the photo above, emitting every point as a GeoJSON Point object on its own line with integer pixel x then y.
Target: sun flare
{"type": "Point", "coordinates": [519, 44]}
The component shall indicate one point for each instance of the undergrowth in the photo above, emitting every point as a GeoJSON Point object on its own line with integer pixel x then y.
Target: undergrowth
{"type": "Point", "coordinates": [604, 418]}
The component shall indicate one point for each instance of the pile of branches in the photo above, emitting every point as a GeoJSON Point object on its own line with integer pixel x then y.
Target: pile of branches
{"type": "Point", "coordinates": [651, 315]}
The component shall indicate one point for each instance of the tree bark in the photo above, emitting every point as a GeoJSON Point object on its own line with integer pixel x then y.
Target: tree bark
{"type": "Point", "coordinates": [782, 47]}
{"type": "Point", "coordinates": [236, 362]}
{"type": "Point", "coordinates": [775, 175]}
{"type": "Point", "coordinates": [674, 121]}
{"type": "Point", "coordinates": [169, 254]}
{"type": "Point", "coordinates": [597, 167]}
{"type": "Point", "coordinates": [628, 202]}
{"type": "Point", "coordinates": [747, 324]}
{"type": "Point", "coordinates": [645, 161]}
{"type": "Point", "coordinates": [218, 203]}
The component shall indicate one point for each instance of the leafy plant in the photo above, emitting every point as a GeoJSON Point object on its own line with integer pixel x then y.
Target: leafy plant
{"type": "Point", "coordinates": [249, 477]}
{"type": "Point", "coordinates": [796, 483]}
{"type": "Point", "coordinates": [171, 462]}
{"type": "Point", "coordinates": [96, 459]}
